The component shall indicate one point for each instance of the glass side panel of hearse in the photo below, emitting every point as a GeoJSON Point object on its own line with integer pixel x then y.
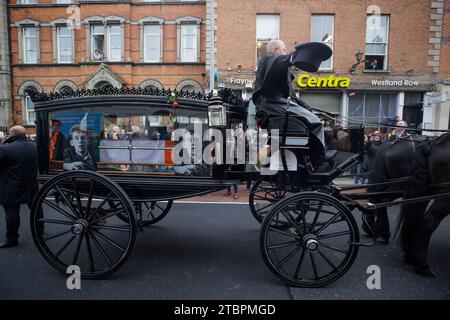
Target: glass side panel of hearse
{"type": "Point", "coordinates": [124, 139]}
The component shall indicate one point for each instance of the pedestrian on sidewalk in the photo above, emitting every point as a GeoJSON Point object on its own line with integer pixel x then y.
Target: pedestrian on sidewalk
{"type": "Point", "coordinates": [375, 143]}
{"type": "Point", "coordinates": [235, 191]}
{"type": "Point", "coordinates": [18, 185]}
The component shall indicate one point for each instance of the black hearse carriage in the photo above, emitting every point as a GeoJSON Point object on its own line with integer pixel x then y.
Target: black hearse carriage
{"type": "Point", "coordinates": [116, 175]}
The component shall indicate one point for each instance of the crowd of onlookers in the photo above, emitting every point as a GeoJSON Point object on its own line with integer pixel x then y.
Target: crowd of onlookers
{"type": "Point", "coordinates": [373, 143]}
{"type": "Point", "coordinates": [115, 132]}
{"type": "Point", "coordinates": [30, 137]}
{"type": "Point", "coordinates": [335, 139]}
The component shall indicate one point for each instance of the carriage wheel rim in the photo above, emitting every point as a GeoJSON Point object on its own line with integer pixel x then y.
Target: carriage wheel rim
{"type": "Point", "coordinates": [149, 212]}
{"type": "Point", "coordinates": [84, 231]}
{"type": "Point", "coordinates": [260, 211]}
{"type": "Point", "coordinates": [302, 245]}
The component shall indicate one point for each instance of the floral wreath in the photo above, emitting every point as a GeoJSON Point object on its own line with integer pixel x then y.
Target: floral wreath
{"type": "Point", "coordinates": [172, 123]}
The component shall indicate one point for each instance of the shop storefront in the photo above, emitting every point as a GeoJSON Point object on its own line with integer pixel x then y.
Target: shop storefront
{"type": "Point", "coordinates": [242, 83]}
{"type": "Point", "coordinates": [327, 101]}
{"type": "Point", "coordinates": [368, 98]}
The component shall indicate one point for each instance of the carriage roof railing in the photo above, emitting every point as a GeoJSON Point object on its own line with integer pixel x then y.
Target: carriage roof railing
{"type": "Point", "coordinates": [226, 94]}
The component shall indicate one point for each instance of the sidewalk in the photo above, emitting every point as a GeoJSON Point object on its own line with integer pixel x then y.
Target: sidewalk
{"type": "Point", "coordinates": [221, 197]}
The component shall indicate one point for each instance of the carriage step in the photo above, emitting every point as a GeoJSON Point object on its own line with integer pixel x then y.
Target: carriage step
{"type": "Point", "coordinates": [361, 244]}
{"type": "Point", "coordinates": [297, 141]}
{"type": "Point", "coordinates": [293, 147]}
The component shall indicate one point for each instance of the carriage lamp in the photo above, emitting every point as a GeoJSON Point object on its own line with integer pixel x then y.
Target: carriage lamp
{"type": "Point", "coordinates": [217, 113]}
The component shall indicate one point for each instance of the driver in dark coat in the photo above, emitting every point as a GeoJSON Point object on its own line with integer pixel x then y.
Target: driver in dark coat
{"type": "Point", "coordinates": [272, 89]}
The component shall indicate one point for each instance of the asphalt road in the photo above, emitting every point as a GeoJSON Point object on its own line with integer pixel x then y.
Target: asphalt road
{"type": "Point", "coordinates": [211, 251]}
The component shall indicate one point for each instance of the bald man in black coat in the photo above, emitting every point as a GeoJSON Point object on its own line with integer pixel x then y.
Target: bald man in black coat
{"type": "Point", "coordinates": [272, 88]}
{"type": "Point", "coordinates": [18, 171]}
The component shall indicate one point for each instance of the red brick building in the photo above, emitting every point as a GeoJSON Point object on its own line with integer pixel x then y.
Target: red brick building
{"type": "Point", "coordinates": [403, 67]}
{"type": "Point", "coordinates": [74, 44]}
{"type": "Point", "coordinates": [404, 46]}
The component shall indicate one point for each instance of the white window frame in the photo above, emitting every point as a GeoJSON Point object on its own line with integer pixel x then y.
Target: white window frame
{"type": "Point", "coordinates": [155, 121]}
{"type": "Point", "coordinates": [265, 41]}
{"type": "Point", "coordinates": [195, 49]}
{"type": "Point", "coordinates": [92, 27]}
{"type": "Point", "coordinates": [158, 49]}
{"type": "Point", "coordinates": [63, 1]}
{"type": "Point", "coordinates": [28, 111]}
{"type": "Point", "coordinates": [24, 44]}
{"type": "Point", "coordinates": [386, 44]}
{"type": "Point", "coordinates": [29, 2]}
{"type": "Point", "coordinates": [58, 39]}
{"type": "Point", "coordinates": [108, 41]}
{"type": "Point", "coordinates": [277, 36]}
{"type": "Point", "coordinates": [327, 43]}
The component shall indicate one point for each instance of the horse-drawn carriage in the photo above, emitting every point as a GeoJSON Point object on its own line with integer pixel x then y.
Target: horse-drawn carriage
{"type": "Point", "coordinates": [116, 175]}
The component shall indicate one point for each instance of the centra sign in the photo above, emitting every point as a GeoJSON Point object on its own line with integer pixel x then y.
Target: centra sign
{"type": "Point", "coordinates": [309, 81]}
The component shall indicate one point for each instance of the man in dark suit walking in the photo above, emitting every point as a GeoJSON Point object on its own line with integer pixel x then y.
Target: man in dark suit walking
{"type": "Point", "coordinates": [18, 171]}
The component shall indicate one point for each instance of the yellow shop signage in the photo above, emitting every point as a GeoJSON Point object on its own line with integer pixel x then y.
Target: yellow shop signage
{"type": "Point", "coordinates": [309, 81]}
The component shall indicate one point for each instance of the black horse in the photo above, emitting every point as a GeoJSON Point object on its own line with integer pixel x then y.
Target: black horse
{"type": "Point", "coordinates": [430, 176]}
{"type": "Point", "coordinates": [425, 162]}
{"type": "Point", "coordinates": [393, 160]}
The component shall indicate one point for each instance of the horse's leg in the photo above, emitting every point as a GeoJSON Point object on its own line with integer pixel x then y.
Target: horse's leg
{"type": "Point", "coordinates": [410, 220]}
{"type": "Point", "coordinates": [368, 224]}
{"type": "Point", "coordinates": [381, 225]}
{"type": "Point", "coordinates": [425, 228]}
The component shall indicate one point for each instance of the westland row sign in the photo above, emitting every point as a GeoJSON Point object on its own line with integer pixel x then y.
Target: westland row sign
{"type": "Point", "coordinates": [334, 82]}
{"type": "Point", "coordinates": [394, 83]}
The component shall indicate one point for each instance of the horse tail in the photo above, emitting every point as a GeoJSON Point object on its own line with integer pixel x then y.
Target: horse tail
{"type": "Point", "coordinates": [419, 181]}
{"type": "Point", "coordinates": [418, 184]}
{"type": "Point", "coordinates": [378, 172]}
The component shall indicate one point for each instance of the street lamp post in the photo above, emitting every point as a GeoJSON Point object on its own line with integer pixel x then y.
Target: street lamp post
{"type": "Point", "coordinates": [359, 59]}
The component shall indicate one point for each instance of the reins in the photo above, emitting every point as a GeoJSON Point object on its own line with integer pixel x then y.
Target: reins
{"type": "Point", "coordinates": [373, 124]}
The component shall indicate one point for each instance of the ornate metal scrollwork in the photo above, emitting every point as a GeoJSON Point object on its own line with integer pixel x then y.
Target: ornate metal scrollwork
{"type": "Point", "coordinates": [227, 95]}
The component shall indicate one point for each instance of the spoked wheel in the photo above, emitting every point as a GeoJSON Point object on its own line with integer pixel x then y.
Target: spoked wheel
{"type": "Point", "coordinates": [263, 195]}
{"type": "Point", "coordinates": [80, 227]}
{"type": "Point", "coordinates": [151, 212]}
{"type": "Point", "coordinates": [309, 239]}
{"type": "Point", "coordinates": [147, 212]}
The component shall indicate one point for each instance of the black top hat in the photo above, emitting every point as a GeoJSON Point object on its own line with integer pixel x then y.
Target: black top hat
{"type": "Point", "coordinates": [308, 56]}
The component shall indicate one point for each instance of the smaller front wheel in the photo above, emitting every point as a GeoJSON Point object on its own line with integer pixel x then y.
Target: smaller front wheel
{"type": "Point", "coordinates": [263, 196]}
{"type": "Point", "coordinates": [151, 212]}
{"type": "Point", "coordinates": [74, 224]}
{"type": "Point", "coordinates": [309, 239]}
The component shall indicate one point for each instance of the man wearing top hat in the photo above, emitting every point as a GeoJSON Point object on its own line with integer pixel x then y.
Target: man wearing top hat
{"type": "Point", "coordinates": [273, 87]}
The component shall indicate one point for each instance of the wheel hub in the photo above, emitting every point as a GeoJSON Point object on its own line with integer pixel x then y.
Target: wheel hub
{"type": "Point", "coordinates": [79, 227]}
{"type": "Point", "coordinates": [310, 242]}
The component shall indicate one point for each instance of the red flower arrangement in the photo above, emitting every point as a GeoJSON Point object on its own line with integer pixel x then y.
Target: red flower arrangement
{"type": "Point", "coordinates": [172, 123]}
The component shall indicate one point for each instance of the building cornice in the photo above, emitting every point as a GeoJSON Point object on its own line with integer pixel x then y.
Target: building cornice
{"type": "Point", "coordinates": [25, 22]}
{"type": "Point", "coordinates": [78, 64]}
{"type": "Point", "coordinates": [109, 2]}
